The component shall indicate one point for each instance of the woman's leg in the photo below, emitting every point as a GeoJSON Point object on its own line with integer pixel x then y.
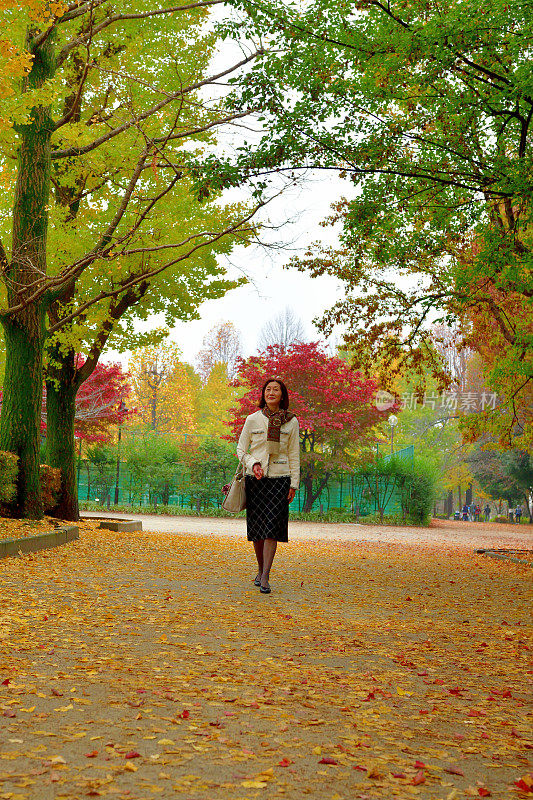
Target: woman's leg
{"type": "Point", "coordinates": [258, 547]}
{"type": "Point", "coordinates": [269, 551]}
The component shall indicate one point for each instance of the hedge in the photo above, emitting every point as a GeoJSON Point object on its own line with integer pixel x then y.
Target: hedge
{"type": "Point", "coordinates": [50, 481]}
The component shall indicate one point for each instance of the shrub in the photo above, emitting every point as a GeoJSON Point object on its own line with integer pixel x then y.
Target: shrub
{"type": "Point", "coordinates": [50, 486]}
{"type": "Point", "coordinates": [8, 476]}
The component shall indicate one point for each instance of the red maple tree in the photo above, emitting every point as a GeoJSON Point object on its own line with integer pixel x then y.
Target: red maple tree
{"type": "Point", "coordinates": [333, 402]}
{"type": "Point", "coordinates": [101, 402]}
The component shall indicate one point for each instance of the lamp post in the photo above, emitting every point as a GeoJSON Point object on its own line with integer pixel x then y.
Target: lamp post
{"type": "Point", "coordinates": [121, 410]}
{"type": "Point", "coordinates": [393, 421]}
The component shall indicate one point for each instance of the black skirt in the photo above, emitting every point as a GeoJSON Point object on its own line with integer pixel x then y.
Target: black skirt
{"type": "Point", "coordinates": [267, 508]}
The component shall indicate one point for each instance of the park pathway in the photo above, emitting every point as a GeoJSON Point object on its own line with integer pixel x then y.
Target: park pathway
{"type": "Point", "coordinates": [458, 535]}
{"type": "Point", "coordinates": [147, 665]}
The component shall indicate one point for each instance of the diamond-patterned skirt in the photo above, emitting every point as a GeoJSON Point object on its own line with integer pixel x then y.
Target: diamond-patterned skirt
{"type": "Point", "coordinates": [267, 508]}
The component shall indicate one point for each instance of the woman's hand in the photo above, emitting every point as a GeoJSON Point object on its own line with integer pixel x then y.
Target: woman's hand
{"type": "Point", "coordinates": [292, 492]}
{"type": "Point", "coordinates": [257, 469]}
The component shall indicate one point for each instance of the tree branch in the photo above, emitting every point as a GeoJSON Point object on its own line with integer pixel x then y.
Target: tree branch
{"type": "Point", "coordinates": [141, 15]}
{"type": "Point", "coordinates": [115, 313]}
{"type": "Point", "coordinates": [136, 280]}
{"type": "Point", "coordinates": [77, 151]}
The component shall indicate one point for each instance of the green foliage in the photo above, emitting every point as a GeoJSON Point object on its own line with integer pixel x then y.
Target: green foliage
{"type": "Point", "coordinates": [504, 475]}
{"type": "Point", "coordinates": [427, 110]}
{"type": "Point", "coordinates": [8, 476]}
{"type": "Point", "coordinates": [414, 483]}
{"type": "Point", "coordinates": [103, 461]}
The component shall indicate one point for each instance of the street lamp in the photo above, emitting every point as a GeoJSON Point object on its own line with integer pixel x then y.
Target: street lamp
{"type": "Point", "coordinates": [393, 421]}
{"type": "Point", "coordinates": [121, 410]}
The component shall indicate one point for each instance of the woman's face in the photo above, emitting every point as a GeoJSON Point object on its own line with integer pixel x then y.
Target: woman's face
{"type": "Point", "coordinates": [273, 394]}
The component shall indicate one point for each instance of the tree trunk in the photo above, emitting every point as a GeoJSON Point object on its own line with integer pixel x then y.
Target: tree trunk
{"type": "Point", "coordinates": [307, 481]}
{"type": "Point", "coordinates": [24, 328]}
{"type": "Point", "coordinates": [60, 444]}
{"type": "Point", "coordinates": [20, 426]}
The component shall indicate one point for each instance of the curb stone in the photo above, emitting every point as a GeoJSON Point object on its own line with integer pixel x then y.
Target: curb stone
{"type": "Point", "coordinates": [41, 541]}
{"type": "Point", "coordinates": [121, 525]}
{"type": "Point", "coordinates": [503, 556]}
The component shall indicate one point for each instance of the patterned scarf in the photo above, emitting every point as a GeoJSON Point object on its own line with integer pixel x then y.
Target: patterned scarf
{"type": "Point", "coordinates": [275, 420]}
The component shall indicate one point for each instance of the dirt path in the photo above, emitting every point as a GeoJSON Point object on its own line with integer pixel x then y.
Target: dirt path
{"type": "Point", "coordinates": [147, 665]}
{"type": "Point", "coordinates": [467, 535]}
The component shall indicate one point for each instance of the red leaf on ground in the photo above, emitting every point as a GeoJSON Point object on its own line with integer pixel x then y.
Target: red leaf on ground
{"type": "Point", "coordinates": [419, 778]}
{"type": "Point", "coordinates": [92, 754]}
{"type": "Point", "coordinates": [359, 768]}
{"type": "Point", "coordinates": [453, 771]}
{"type": "Point", "coordinates": [370, 696]}
{"type": "Point", "coordinates": [439, 681]}
{"type": "Point", "coordinates": [9, 713]}
{"type": "Point", "coordinates": [285, 762]}
{"type": "Point", "coordinates": [525, 784]}
{"type": "Point", "coordinates": [328, 760]}
{"type": "Point", "coordinates": [475, 713]}
{"type": "Point", "coordinates": [398, 775]}
{"type": "Point", "coordinates": [132, 754]}
{"type": "Point", "coordinates": [6, 682]}
{"type": "Point", "coordinates": [185, 714]}
{"type": "Point", "coordinates": [420, 765]}
{"type": "Point", "coordinates": [482, 792]}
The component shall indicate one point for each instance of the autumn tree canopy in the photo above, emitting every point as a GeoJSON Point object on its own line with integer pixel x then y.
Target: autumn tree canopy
{"type": "Point", "coordinates": [162, 391]}
{"type": "Point", "coordinates": [99, 222]}
{"type": "Point", "coordinates": [427, 111]}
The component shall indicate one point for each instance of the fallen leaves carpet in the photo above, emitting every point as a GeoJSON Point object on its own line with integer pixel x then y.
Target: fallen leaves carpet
{"type": "Point", "coordinates": [140, 665]}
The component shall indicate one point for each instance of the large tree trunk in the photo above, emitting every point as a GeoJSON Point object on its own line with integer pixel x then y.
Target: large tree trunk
{"type": "Point", "coordinates": [60, 444]}
{"type": "Point", "coordinates": [24, 328]}
{"type": "Point", "coordinates": [20, 426]}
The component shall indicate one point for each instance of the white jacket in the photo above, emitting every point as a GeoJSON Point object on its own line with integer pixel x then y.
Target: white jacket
{"type": "Point", "coordinates": [254, 437]}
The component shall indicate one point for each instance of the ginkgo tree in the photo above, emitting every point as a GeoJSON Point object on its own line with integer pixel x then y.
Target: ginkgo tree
{"type": "Point", "coordinates": [162, 391]}
{"type": "Point", "coordinates": [117, 108]}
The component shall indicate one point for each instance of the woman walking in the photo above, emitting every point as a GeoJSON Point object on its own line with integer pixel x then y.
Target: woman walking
{"type": "Point", "coordinates": [272, 436]}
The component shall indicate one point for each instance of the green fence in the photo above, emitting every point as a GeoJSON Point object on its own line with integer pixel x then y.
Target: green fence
{"type": "Point", "coordinates": [344, 491]}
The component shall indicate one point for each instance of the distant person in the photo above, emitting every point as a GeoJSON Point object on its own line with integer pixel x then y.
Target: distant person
{"type": "Point", "coordinates": [511, 515]}
{"type": "Point", "coordinates": [487, 512]}
{"type": "Point", "coordinates": [272, 435]}
{"type": "Point", "coordinates": [477, 512]}
{"type": "Point", "coordinates": [471, 512]}
{"type": "Point", "coordinates": [518, 513]}
{"type": "Point", "coordinates": [465, 513]}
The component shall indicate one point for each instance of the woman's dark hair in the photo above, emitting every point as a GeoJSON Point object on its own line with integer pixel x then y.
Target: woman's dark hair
{"type": "Point", "coordinates": [284, 402]}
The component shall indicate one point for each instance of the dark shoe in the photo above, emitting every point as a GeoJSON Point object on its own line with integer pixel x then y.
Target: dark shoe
{"type": "Point", "coordinates": [265, 589]}
{"type": "Point", "coordinates": [257, 581]}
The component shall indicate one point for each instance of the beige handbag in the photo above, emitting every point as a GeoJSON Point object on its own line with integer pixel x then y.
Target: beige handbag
{"type": "Point", "coordinates": [235, 499]}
